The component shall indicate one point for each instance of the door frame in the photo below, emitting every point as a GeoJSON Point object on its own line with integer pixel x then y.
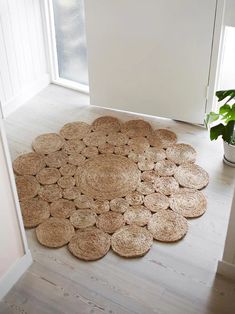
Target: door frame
{"type": "Point", "coordinates": [216, 56]}
{"type": "Point", "coordinates": [22, 264]}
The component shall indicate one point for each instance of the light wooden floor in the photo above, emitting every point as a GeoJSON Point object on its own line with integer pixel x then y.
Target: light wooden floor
{"type": "Point", "coordinates": [171, 279]}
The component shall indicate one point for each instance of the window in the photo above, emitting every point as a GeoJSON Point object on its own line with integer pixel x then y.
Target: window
{"type": "Point", "coordinates": [68, 43]}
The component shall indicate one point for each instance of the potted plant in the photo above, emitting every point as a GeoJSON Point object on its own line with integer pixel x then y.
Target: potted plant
{"type": "Point", "coordinates": [222, 123]}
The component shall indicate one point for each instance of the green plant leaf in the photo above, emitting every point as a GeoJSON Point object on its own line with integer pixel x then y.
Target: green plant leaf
{"type": "Point", "coordinates": [228, 132]}
{"type": "Point", "coordinates": [224, 109]}
{"type": "Point", "coordinates": [222, 94]}
{"type": "Point", "coordinates": [216, 131]}
{"type": "Point", "coordinates": [210, 118]}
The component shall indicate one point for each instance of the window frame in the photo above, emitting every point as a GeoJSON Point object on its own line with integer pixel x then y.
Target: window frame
{"type": "Point", "coordinates": [50, 40]}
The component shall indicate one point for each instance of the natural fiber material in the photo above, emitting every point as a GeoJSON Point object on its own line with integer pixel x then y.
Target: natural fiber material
{"type": "Point", "coordinates": [84, 201]}
{"type": "Point", "coordinates": [134, 128]}
{"type": "Point", "coordinates": [34, 212]}
{"type": "Point", "coordinates": [146, 188]}
{"type": "Point", "coordinates": [117, 139]}
{"type": "Point", "coordinates": [166, 185]}
{"type": "Point", "coordinates": [74, 146]}
{"type": "Point", "coordinates": [90, 151]}
{"type": "Point", "coordinates": [71, 193]}
{"type": "Point", "coordinates": [191, 176]}
{"type": "Point", "coordinates": [76, 159]}
{"type": "Point", "coordinates": [181, 153]}
{"type": "Point", "coordinates": [162, 138]}
{"type": "Point", "coordinates": [66, 182]}
{"type": "Point", "coordinates": [96, 138]}
{"type": "Point", "coordinates": [55, 232]}
{"type": "Point", "coordinates": [27, 187]}
{"type": "Point", "coordinates": [131, 241]}
{"type": "Point", "coordinates": [106, 148]}
{"type": "Point", "coordinates": [189, 203]}
{"type": "Point", "coordinates": [123, 150]}
{"type": "Point", "coordinates": [48, 143]}
{"type": "Point", "coordinates": [28, 164]}
{"type": "Point", "coordinates": [145, 165]}
{"type": "Point", "coordinates": [135, 198]}
{"type": "Point", "coordinates": [100, 207]}
{"type": "Point", "coordinates": [165, 168]}
{"type": "Point", "coordinates": [149, 176]}
{"type": "Point", "coordinates": [119, 205]}
{"type": "Point", "coordinates": [156, 202]}
{"type": "Point", "coordinates": [137, 215]}
{"type": "Point", "coordinates": [75, 130]}
{"type": "Point", "coordinates": [68, 170]}
{"type": "Point", "coordinates": [90, 244]}
{"type": "Point", "coordinates": [56, 159]}
{"type": "Point", "coordinates": [107, 177]}
{"type": "Point", "coordinates": [50, 193]}
{"type": "Point", "coordinates": [109, 174]}
{"type": "Point", "coordinates": [62, 208]}
{"type": "Point", "coordinates": [155, 154]}
{"type": "Point", "coordinates": [83, 218]}
{"type": "Point", "coordinates": [138, 144]}
{"type": "Point", "coordinates": [110, 222]}
{"type": "Point", "coordinates": [168, 226]}
{"type": "Point", "coordinates": [48, 176]}
{"type": "Point", "coordinates": [106, 124]}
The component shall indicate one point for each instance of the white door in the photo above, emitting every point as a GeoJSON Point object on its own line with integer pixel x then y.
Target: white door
{"type": "Point", "coordinates": [150, 56]}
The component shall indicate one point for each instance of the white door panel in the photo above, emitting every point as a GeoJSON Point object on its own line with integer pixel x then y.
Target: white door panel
{"type": "Point", "coordinates": [150, 56]}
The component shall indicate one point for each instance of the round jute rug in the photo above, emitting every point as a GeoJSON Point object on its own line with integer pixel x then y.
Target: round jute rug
{"type": "Point", "coordinates": [119, 184]}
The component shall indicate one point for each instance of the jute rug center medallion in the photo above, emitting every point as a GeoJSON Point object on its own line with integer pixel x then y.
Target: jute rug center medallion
{"type": "Point", "coordinates": [109, 185]}
{"type": "Point", "coordinates": [106, 177]}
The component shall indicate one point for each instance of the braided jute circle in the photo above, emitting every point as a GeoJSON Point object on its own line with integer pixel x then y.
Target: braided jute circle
{"type": "Point", "coordinates": [131, 241]}
{"type": "Point", "coordinates": [62, 208]}
{"type": "Point", "coordinates": [137, 215]}
{"type": "Point", "coordinates": [107, 177]}
{"type": "Point", "coordinates": [50, 193]}
{"type": "Point", "coordinates": [162, 138]}
{"type": "Point", "coordinates": [134, 128]}
{"type": "Point", "coordinates": [107, 124]}
{"type": "Point", "coordinates": [95, 138]}
{"type": "Point", "coordinates": [165, 168]}
{"type": "Point", "coordinates": [119, 205]}
{"type": "Point", "coordinates": [117, 139]}
{"type": "Point", "coordinates": [68, 170]}
{"type": "Point", "coordinates": [48, 176]}
{"type": "Point", "coordinates": [55, 232]}
{"type": "Point", "coordinates": [110, 221]}
{"type": "Point", "coordinates": [191, 176]}
{"type": "Point", "coordinates": [156, 202]}
{"type": "Point", "coordinates": [56, 159]}
{"type": "Point", "coordinates": [189, 203]}
{"type": "Point", "coordinates": [28, 164]}
{"type": "Point", "coordinates": [89, 244]}
{"type": "Point", "coordinates": [83, 218]}
{"type": "Point", "coordinates": [73, 146]}
{"type": "Point", "coordinates": [48, 143]}
{"type": "Point", "coordinates": [166, 185]}
{"type": "Point", "coordinates": [27, 187]}
{"type": "Point", "coordinates": [168, 226]}
{"type": "Point", "coordinates": [34, 212]}
{"type": "Point", "coordinates": [75, 130]}
{"type": "Point", "coordinates": [181, 153]}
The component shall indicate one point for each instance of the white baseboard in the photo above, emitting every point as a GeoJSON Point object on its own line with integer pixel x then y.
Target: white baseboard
{"type": "Point", "coordinates": [14, 274]}
{"type": "Point", "coordinates": [226, 269]}
{"type": "Point", "coordinates": [25, 94]}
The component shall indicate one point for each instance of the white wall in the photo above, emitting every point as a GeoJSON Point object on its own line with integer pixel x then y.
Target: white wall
{"type": "Point", "coordinates": [230, 13]}
{"type": "Point", "coordinates": [11, 242]}
{"type": "Point", "coordinates": [23, 66]}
